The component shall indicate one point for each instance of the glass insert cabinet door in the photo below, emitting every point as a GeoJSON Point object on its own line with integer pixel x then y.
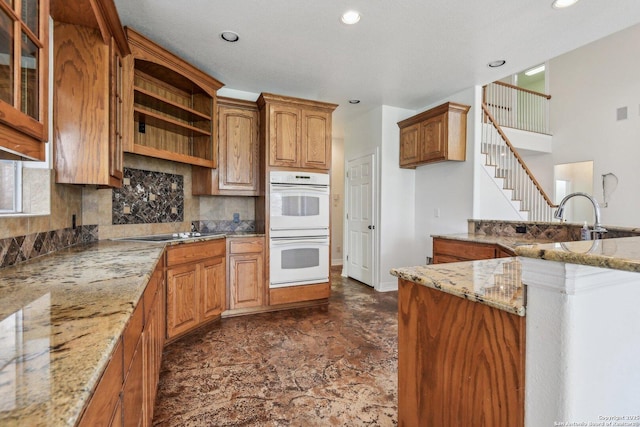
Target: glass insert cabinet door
{"type": "Point", "coordinates": [22, 53]}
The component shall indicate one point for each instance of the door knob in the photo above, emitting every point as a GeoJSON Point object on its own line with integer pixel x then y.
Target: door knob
{"type": "Point", "coordinates": [372, 227]}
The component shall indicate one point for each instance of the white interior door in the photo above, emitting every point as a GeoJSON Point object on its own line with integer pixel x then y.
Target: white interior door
{"type": "Point", "coordinates": [360, 221]}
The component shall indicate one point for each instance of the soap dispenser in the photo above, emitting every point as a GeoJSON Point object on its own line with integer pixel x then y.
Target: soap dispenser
{"type": "Point", "coordinates": [584, 232]}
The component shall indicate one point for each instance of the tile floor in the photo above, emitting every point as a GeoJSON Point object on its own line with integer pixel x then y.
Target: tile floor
{"type": "Point", "coordinates": [334, 365]}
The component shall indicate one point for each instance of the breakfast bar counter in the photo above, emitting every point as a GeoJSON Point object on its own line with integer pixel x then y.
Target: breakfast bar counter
{"type": "Point", "coordinates": [462, 346]}
{"type": "Point", "coordinates": [615, 254]}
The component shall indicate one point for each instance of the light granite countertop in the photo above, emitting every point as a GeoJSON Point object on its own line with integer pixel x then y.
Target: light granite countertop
{"type": "Point", "coordinates": [617, 254]}
{"type": "Point", "coordinates": [497, 282]}
{"type": "Point", "coordinates": [494, 282]}
{"type": "Point", "coordinates": [60, 318]}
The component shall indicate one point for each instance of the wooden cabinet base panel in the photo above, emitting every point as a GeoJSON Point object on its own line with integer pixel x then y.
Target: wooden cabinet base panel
{"type": "Point", "coordinates": [460, 363]}
{"type": "Point", "coordinates": [291, 294]}
{"type": "Point", "coordinates": [197, 330]}
{"type": "Point", "coordinates": [270, 308]}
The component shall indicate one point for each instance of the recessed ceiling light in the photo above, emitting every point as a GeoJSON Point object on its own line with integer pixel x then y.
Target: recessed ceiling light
{"type": "Point", "coordinates": [350, 17]}
{"type": "Point", "coordinates": [534, 70]}
{"type": "Point", "coordinates": [354, 101]}
{"type": "Point", "coordinates": [496, 64]}
{"type": "Point", "coordinates": [229, 36]}
{"type": "Point", "coordinates": [561, 4]}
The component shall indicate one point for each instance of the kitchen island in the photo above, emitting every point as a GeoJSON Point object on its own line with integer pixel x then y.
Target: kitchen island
{"type": "Point", "coordinates": [461, 344]}
{"type": "Point", "coordinates": [581, 327]}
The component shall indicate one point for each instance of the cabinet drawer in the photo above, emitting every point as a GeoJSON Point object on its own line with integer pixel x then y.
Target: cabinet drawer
{"type": "Point", "coordinates": [463, 250]}
{"type": "Point", "coordinates": [190, 252]}
{"type": "Point", "coordinates": [246, 245]}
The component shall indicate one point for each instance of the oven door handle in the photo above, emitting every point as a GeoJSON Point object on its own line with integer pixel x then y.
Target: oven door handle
{"type": "Point", "coordinates": [288, 241]}
{"type": "Point", "coordinates": [283, 188]}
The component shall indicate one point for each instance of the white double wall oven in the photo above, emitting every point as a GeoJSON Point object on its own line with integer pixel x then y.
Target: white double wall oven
{"type": "Point", "coordinates": [298, 228]}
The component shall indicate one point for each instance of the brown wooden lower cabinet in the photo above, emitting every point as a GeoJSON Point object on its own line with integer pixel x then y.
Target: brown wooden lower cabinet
{"type": "Point", "coordinates": [125, 393]}
{"type": "Point", "coordinates": [153, 342]}
{"type": "Point", "coordinates": [132, 400]}
{"type": "Point", "coordinates": [460, 363]}
{"type": "Point", "coordinates": [449, 250]}
{"type": "Point", "coordinates": [246, 272]}
{"type": "Point", "coordinates": [105, 406]}
{"type": "Point", "coordinates": [196, 285]}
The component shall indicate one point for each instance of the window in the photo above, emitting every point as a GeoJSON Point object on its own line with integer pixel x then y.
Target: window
{"type": "Point", "coordinates": [10, 186]}
{"type": "Point", "coordinates": [24, 38]}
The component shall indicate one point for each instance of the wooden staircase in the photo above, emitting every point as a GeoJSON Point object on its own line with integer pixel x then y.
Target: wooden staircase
{"type": "Point", "coordinates": [511, 174]}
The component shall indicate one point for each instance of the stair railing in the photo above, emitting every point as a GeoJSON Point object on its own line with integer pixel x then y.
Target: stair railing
{"type": "Point", "coordinates": [512, 168]}
{"type": "Point", "coordinates": [518, 108]}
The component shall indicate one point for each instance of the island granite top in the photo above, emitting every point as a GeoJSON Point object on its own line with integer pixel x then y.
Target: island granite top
{"type": "Point", "coordinates": [494, 282]}
{"type": "Point", "coordinates": [617, 254]}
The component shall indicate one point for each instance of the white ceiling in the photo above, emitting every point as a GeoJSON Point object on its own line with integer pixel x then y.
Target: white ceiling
{"type": "Point", "coordinates": [405, 53]}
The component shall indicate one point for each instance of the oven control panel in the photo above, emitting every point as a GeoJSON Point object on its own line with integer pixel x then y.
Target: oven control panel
{"type": "Point", "coordinates": [310, 178]}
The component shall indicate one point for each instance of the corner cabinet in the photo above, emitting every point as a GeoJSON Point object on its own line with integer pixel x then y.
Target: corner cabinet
{"type": "Point", "coordinates": [89, 47]}
{"type": "Point", "coordinates": [296, 132]}
{"type": "Point", "coordinates": [196, 285]}
{"type": "Point", "coordinates": [170, 106]}
{"type": "Point", "coordinates": [238, 157]}
{"type": "Point", "coordinates": [24, 79]}
{"type": "Point", "coordinates": [433, 136]}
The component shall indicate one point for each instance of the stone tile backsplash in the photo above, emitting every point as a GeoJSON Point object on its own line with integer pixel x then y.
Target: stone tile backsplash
{"type": "Point", "coordinates": [205, 226]}
{"type": "Point", "coordinates": [148, 197]}
{"type": "Point", "coordinates": [14, 250]}
{"type": "Point", "coordinates": [554, 231]}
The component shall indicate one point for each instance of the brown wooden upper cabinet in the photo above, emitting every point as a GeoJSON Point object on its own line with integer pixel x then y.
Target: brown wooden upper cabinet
{"type": "Point", "coordinates": [24, 79]}
{"type": "Point", "coordinates": [297, 131]}
{"type": "Point", "coordinates": [89, 47]}
{"type": "Point", "coordinates": [238, 157]}
{"type": "Point", "coordinates": [434, 135]}
{"type": "Point", "coordinates": [170, 106]}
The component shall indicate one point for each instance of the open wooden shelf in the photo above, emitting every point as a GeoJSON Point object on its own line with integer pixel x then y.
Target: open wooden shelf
{"type": "Point", "coordinates": [160, 121]}
{"type": "Point", "coordinates": [167, 155]}
{"type": "Point", "coordinates": [175, 101]}
{"type": "Point", "coordinates": [153, 101]}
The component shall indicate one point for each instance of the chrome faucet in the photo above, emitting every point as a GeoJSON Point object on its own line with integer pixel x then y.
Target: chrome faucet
{"type": "Point", "coordinates": [597, 227]}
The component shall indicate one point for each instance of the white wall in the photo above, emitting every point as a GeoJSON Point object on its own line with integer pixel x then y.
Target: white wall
{"type": "Point", "coordinates": [587, 85]}
{"type": "Point", "coordinates": [337, 199]}
{"type": "Point", "coordinates": [398, 239]}
{"type": "Point", "coordinates": [447, 187]}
